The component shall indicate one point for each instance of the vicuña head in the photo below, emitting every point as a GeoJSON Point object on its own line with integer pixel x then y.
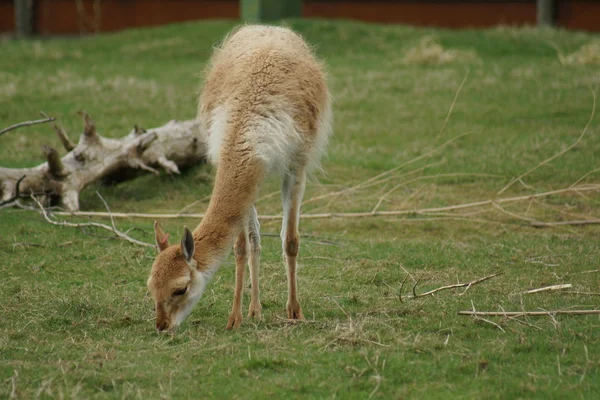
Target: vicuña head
{"type": "Point", "coordinates": [265, 108]}
{"type": "Point", "coordinates": [175, 282]}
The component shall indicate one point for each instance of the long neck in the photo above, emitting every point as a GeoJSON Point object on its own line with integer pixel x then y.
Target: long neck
{"type": "Point", "coordinates": [236, 187]}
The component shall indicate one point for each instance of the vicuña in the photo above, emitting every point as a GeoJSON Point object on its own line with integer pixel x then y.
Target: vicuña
{"type": "Point", "coordinates": [266, 108]}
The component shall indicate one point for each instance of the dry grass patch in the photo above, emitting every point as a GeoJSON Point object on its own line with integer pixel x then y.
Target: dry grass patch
{"type": "Point", "coordinates": [430, 52]}
{"type": "Point", "coordinates": [588, 54]}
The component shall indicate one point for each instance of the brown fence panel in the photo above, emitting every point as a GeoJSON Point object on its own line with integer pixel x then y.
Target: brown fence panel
{"type": "Point", "coordinates": [582, 14]}
{"type": "Point", "coordinates": [449, 14]}
{"type": "Point", "coordinates": [7, 16]}
{"type": "Point", "coordinates": [65, 17]}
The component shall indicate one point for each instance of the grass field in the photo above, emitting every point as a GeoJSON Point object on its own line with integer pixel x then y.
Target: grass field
{"type": "Point", "coordinates": [76, 320]}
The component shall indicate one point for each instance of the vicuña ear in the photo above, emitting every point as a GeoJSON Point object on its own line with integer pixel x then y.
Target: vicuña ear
{"type": "Point", "coordinates": [187, 244]}
{"type": "Point", "coordinates": [162, 239]}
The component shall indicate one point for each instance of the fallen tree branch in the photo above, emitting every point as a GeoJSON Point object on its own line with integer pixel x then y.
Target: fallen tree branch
{"type": "Point", "coordinates": [457, 285]}
{"type": "Point", "coordinates": [113, 229]}
{"type": "Point", "coordinates": [17, 194]}
{"type": "Point", "coordinates": [173, 146]}
{"type": "Point", "coordinates": [62, 135]}
{"type": "Point", "coordinates": [26, 123]}
{"type": "Point", "coordinates": [527, 313]}
{"type": "Point", "coordinates": [549, 288]}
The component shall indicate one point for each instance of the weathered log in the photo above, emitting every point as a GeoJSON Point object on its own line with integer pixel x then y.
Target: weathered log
{"type": "Point", "coordinates": [176, 145]}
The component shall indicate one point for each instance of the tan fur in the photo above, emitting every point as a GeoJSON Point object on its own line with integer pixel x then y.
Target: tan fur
{"type": "Point", "coordinates": [266, 107]}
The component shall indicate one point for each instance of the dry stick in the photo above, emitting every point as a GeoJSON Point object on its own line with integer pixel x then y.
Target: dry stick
{"type": "Point", "coordinates": [112, 220]}
{"type": "Point", "coordinates": [267, 196]}
{"type": "Point", "coordinates": [589, 271]}
{"type": "Point", "coordinates": [26, 123]}
{"type": "Point", "coordinates": [548, 288]}
{"type": "Point", "coordinates": [427, 177]}
{"type": "Point", "coordinates": [457, 285]}
{"type": "Point", "coordinates": [387, 179]}
{"type": "Point", "coordinates": [512, 214]}
{"type": "Point", "coordinates": [448, 115]}
{"type": "Point", "coordinates": [539, 224]}
{"type": "Point", "coordinates": [192, 204]}
{"type": "Point", "coordinates": [582, 293]}
{"type": "Point", "coordinates": [486, 320]}
{"type": "Point", "coordinates": [376, 177]}
{"type": "Point", "coordinates": [585, 176]}
{"type": "Point", "coordinates": [582, 219]}
{"type": "Point", "coordinates": [421, 211]}
{"type": "Point", "coordinates": [452, 105]}
{"type": "Point", "coordinates": [560, 210]}
{"type": "Point", "coordinates": [528, 313]}
{"type": "Point", "coordinates": [414, 289]}
{"type": "Point", "coordinates": [296, 321]}
{"type": "Point", "coordinates": [119, 234]}
{"type": "Point", "coordinates": [62, 135]}
{"type": "Point", "coordinates": [560, 153]}
{"type": "Point", "coordinates": [402, 287]}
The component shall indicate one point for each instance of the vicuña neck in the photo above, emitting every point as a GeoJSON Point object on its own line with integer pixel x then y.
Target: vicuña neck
{"type": "Point", "coordinates": [236, 187]}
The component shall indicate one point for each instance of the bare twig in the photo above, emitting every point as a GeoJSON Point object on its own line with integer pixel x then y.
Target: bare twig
{"type": "Point", "coordinates": [457, 285]}
{"type": "Point", "coordinates": [549, 288]}
{"type": "Point", "coordinates": [298, 321]}
{"type": "Point", "coordinates": [589, 271]}
{"type": "Point", "coordinates": [451, 109]}
{"type": "Point", "coordinates": [486, 320]}
{"type": "Point", "coordinates": [414, 289]}
{"type": "Point", "coordinates": [585, 176]}
{"type": "Point", "coordinates": [448, 115]}
{"type": "Point", "coordinates": [401, 288]}
{"type": "Point", "coordinates": [112, 220]}
{"type": "Point", "coordinates": [13, 384]}
{"type": "Point", "coordinates": [581, 293]}
{"type": "Point", "coordinates": [539, 224]}
{"type": "Point", "coordinates": [119, 234]}
{"type": "Point", "coordinates": [512, 214]}
{"type": "Point", "coordinates": [528, 313]}
{"type": "Point", "coordinates": [26, 123]}
{"type": "Point", "coordinates": [421, 211]}
{"type": "Point", "coordinates": [381, 175]}
{"type": "Point", "coordinates": [427, 177]}
{"type": "Point", "coordinates": [587, 363]}
{"type": "Point", "coordinates": [62, 135]}
{"type": "Point", "coordinates": [560, 153]}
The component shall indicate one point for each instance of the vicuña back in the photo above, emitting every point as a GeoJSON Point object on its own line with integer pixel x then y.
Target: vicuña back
{"type": "Point", "coordinates": [264, 87]}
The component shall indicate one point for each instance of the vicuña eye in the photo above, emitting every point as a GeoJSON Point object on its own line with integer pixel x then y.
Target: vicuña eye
{"type": "Point", "coordinates": [180, 292]}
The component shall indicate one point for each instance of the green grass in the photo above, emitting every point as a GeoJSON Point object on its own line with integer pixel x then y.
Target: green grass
{"type": "Point", "coordinates": [75, 316]}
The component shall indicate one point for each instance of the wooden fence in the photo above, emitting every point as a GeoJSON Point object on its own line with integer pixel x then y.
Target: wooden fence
{"type": "Point", "coordinates": [85, 16]}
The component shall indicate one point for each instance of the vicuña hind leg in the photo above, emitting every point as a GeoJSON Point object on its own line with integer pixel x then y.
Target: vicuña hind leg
{"type": "Point", "coordinates": [241, 258]}
{"type": "Point", "coordinates": [255, 310]}
{"type": "Point", "coordinates": [292, 193]}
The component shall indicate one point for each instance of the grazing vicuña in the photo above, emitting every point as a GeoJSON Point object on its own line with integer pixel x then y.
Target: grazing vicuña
{"type": "Point", "coordinates": [266, 108]}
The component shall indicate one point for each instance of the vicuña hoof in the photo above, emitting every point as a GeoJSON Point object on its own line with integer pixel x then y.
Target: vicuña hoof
{"type": "Point", "coordinates": [294, 311]}
{"type": "Point", "coordinates": [234, 321]}
{"type": "Point", "coordinates": [255, 311]}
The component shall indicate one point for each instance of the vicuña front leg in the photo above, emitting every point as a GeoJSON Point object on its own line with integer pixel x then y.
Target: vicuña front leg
{"type": "Point", "coordinates": [255, 310]}
{"type": "Point", "coordinates": [292, 193]}
{"type": "Point", "coordinates": [241, 258]}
